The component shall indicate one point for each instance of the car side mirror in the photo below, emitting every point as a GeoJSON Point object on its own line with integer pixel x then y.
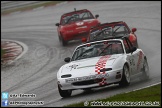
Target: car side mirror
{"type": "Point", "coordinates": [96, 16]}
{"type": "Point", "coordinates": [57, 24]}
{"type": "Point", "coordinates": [134, 30]}
{"type": "Point", "coordinates": [67, 59]}
{"type": "Point", "coordinates": [133, 49]}
{"type": "Point", "coordinates": [84, 40]}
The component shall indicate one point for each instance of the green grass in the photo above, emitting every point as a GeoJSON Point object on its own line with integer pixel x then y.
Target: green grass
{"type": "Point", "coordinates": [30, 7]}
{"type": "Point", "coordinates": [151, 94]}
{"type": "Point", "coordinates": [2, 52]}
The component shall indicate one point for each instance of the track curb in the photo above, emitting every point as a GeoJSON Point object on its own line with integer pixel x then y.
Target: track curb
{"type": "Point", "coordinates": [17, 47]}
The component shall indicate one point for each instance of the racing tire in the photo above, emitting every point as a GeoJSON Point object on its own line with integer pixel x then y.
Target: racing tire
{"type": "Point", "coordinates": [64, 93]}
{"type": "Point", "coordinates": [62, 41]}
{"type": "Point", "coordinates": [125, 81]}
{"type": "Point", "coordinates": [145, 70]}
{"type": "Point", "coordinates": [137, 45]}
{"type": "Point", "coordinates": [59, 38]}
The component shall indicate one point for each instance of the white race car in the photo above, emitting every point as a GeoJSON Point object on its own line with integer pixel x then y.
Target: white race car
{"type": "Point", "coordinates": [100, 63]}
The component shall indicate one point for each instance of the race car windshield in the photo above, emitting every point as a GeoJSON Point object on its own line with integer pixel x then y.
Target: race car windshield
{"type": "Point", "coordinates": [98, 49]}
{"type": "Point", "coordinates": [76, 17]}
{"type": "Point", "coordinates": [109, 31]}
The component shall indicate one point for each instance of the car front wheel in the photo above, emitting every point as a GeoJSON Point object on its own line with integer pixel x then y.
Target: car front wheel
{"type": "Point", "coordinates": [64, 93]}
{"type": "Point", "coordinates": [62, 41]}
{"type": "Point", "coordinates": [137, 44]}
{"type": "Point", "coordinates": [145, 70]}
{"type": "Point", "coordinates": [125, 81]}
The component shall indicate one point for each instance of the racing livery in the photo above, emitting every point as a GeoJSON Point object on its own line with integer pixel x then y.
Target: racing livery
{"type": "Point", "coordinates": [75, 25]}
{"type": "Point", "coordinates": [101, 63]}
{"type": "Point", "coordinates": [113, 29]}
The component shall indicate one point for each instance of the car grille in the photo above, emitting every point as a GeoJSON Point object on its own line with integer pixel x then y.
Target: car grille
{"type": "Point", "coordinates": [88, 82]}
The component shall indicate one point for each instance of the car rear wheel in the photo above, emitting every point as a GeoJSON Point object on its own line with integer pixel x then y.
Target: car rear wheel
{"type": "Point", "coordinates": [145, 70]}
{"type": "Point", "coordinates": [125, 81]}
{"type": "Point", "coordinates": [64, 93]}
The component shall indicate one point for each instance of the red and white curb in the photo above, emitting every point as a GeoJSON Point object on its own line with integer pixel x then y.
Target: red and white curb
{"type": "Point", "coordinates": [13, 51]}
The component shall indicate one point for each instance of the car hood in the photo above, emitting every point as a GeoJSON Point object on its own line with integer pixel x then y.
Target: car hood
{"type": "Point", "coordinates": [79, 24]}
{"type": "Point", "coordinates": [86, 67]}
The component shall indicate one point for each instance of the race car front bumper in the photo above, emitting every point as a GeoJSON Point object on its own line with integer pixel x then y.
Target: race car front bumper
{"type": "Point", "coordinates": [95, 80]}
{"type": "Point", "coordinates": [75, 35]}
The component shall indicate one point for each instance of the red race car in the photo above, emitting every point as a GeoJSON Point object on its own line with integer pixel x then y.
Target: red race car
{"type": "Point", "coordinates": [75, 25]}
{"type": "Point", "coordinates": [110, 30]}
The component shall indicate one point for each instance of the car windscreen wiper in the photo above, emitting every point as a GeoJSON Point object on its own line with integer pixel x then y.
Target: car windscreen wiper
{"type": "Point", "coordinates": [94, 37]}
{"type": "Point", "coordinates": [104, 49]}
{"type": "Point", "coordinates": [115, 31]}
{"type": "Point", "coordinates": [69, 19]}
{"type": "Point", "coordinates": [84, 53]}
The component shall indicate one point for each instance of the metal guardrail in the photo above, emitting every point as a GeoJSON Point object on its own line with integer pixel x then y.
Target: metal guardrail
{"type": "Point", "coordinates": [6, 5]}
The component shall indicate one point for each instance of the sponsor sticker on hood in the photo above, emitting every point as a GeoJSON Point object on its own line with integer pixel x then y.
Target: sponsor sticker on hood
{"type": "Point", "coordinates": [73, 66]}
{"type": "Point", "coordinates": [79, 23]}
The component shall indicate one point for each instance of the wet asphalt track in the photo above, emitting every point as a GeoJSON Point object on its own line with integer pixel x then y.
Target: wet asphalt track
{"type": "Point", "coordinates": [36, 71]}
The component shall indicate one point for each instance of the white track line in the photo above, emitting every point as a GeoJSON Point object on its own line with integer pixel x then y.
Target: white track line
{"type": "Point", "coordinates": [58, 4]}
{"type": "Point", "coordinates": [144, 87]}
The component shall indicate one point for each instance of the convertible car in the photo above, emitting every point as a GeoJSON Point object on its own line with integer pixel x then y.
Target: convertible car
{"type": "Point", "coordinates": [113, 29]}
{"type": "Point", "coordinates": [75, 25]}
{"type": "Point", "coordinates": [101, 63]}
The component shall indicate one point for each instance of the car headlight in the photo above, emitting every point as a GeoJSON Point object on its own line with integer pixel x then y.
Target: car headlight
{"type": "Point", "coordinates": [65, 76]}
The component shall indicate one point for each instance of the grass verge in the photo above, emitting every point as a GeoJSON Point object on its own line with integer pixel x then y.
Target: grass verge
{"type": "Point", "coordinates": [2, 52]}
{"type": "Point", "coordinates": [149, 96]}
{"type": "Point", "coordinates": [50, 3]}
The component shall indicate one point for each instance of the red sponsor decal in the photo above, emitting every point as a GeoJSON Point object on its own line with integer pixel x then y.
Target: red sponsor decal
{"type": "Point", "coordinates": [101, 65]}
